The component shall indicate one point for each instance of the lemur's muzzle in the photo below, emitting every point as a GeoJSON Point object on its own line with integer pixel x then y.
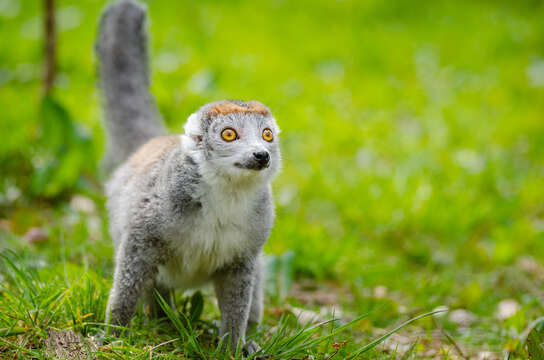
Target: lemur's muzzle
{"type": "Point", "coordinates": [256, 161]}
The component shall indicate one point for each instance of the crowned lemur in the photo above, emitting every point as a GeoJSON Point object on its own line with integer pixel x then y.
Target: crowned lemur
{"type": "Point", "coordinates": [184, 209]}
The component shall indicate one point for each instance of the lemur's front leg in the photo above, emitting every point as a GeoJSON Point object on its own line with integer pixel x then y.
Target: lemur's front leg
{"type": "Point", "coordinates": [135, 270]}
{"type": "Point", "coordinates": [233, 287]}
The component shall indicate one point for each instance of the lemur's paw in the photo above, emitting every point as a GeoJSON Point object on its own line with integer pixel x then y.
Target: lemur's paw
{"type": "Point", "coordinates": [251, 347]}
{"type": "Point", "coordinates": [99, 337]}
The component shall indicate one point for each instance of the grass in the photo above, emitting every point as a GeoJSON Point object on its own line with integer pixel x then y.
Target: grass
{"type": "Point", "coordinates": [413, 149]}
{"type": "Point", "coordinates": [36, 302]}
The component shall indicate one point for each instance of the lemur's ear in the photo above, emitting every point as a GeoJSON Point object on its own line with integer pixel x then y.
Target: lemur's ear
{"type": "Point", "coordinates": [192, 128]}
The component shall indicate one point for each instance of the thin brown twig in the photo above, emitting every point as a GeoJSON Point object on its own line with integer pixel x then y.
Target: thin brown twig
{"type": "Point", "coordinates": [337, 346]}
{"type": "Point", "coordinates": [450, 339]}
{"type": "Point", "coordinates": [50, 45]}
{"type": "Point", "coordinates": [164, 343]}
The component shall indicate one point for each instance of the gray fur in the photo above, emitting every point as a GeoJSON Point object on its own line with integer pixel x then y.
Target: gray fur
{"type": "Point", "coordinates": [132, 117]}
{"type": "Point", "coordinates": [198, 212]}
{"type": "Point", "coordinates": [257, 296]}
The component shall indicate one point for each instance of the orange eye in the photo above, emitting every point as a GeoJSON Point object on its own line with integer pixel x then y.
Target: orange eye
{"type": "Point", "coordinates": [229, 135]}
{"type": "Point", "coordinates": [268, 135]}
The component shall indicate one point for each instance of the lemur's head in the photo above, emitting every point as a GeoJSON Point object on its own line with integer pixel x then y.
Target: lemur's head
{"type": "Point", "coordinates": [237, 139]}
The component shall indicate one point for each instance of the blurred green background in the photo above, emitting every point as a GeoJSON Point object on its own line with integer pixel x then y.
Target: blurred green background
{"type": "Point", "coordinates": [412, 137]}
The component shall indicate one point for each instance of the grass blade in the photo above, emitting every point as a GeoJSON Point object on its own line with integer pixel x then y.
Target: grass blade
{"type": "Point", "coordinates": [385, 336]}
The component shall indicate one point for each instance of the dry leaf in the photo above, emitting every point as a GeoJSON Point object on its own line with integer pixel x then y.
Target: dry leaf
{"type": "Point", "coordinates": [35, 235]}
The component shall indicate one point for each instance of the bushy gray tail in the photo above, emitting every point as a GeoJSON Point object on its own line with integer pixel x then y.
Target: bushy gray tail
{"type": "Point", "coordinates": [131, 115]}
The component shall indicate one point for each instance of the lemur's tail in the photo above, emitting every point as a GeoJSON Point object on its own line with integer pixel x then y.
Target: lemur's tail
{"type": "Point", "coordinates": [131, 115]}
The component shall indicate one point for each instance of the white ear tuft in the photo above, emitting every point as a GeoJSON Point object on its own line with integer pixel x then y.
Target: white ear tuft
{"type": "Point", "coordinates": [192, 127]}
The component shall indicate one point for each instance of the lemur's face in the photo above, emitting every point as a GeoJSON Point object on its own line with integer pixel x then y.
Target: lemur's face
{"type": "Point", "coordinates": [244, 143]}
{"type": "Point", "coordinates": [240, 140]}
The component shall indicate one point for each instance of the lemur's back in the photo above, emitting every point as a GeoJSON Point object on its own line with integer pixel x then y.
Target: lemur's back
{"type": "Point", "coordinates": [133, 185]}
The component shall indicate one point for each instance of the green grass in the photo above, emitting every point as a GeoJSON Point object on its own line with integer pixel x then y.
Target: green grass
{"type": "Point", "coordinates": [38, 300]}
{"type": "Point", "coordinates": [413, 144]}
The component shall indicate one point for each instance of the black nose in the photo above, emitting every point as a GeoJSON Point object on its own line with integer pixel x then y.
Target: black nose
{"type": "Point", "coordinates": [263, 157]}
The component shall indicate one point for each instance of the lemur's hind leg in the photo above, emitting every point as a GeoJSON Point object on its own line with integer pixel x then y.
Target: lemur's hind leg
{"type": "Point", "coordinates": [135, 271]}
{"type": "Point", "coordinates": [257, 295]}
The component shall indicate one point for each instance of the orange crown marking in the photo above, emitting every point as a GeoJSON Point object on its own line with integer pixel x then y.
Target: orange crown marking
{"type": "Point", "coordinates": [227, 107]}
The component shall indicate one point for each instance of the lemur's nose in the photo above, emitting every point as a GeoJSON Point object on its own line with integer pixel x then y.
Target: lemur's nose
{"type": "Point", "coordinates": [263, 157]}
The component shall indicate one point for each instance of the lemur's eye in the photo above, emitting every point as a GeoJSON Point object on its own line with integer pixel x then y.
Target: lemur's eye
{"type": "Point", "coordinates": [229, 134]}
{"type": "Point", "coordinates": [268, 135]}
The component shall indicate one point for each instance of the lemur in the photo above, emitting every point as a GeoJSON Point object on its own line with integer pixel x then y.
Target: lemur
{"type": "Point", "coordinates": [184, 209]}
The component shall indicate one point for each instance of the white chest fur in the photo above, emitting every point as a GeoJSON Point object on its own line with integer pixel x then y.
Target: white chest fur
{"type": "Point", "coordinates": [208, 240]}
